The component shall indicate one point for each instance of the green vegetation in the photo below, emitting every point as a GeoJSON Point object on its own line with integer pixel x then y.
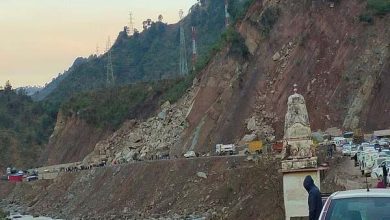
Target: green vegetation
{"type": "Point", "coordinates": [237, 9]}
{"type": "Point", "coordinates": [366, 18]}
{"type": "Point", "coordinates": [25, 126]}
{"type": "Point", "coordinates": [147, 56]}
{"type": "Point", "coordinates": [375, 7]}
{"type": "Point", "coordinates": [268, 19]}
{"type": "Point", "coordinates": [3, 215]}
{"type": "Point", "coordinates": [108, 108]}
{"type": "Point", "coordinates": [379, 7]}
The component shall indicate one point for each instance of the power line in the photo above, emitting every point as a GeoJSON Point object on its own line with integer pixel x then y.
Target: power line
{"type": "Point", "coordinates": [110, 69]}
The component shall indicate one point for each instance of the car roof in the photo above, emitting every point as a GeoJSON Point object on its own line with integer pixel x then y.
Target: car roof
{"type": "Point", "coordinates": [361, 193]}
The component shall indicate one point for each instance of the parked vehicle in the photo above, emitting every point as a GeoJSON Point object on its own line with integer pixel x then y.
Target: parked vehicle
{"type": "Point", "coordinates": [222, 149]}
{"type": "Point", "coordinates": [346, 151]}
{"type": "Point", "coordinates": [339, 141]}
{"type": "Point", "coordinates": [31, 178]}
{"type": "Point", "coordinates": [357, 205]}
{"type": "Point", "coordinates": [254, 147]}
{"type": "Point", "coordinates": [369, 161]}
{"type": "Point", "coordinates": [354, 149]}
{"type": "Point", "coordinates": [384, 142]}
{"type": "Point", "coordinates": [362, 159]}
{"type": "Point", "coordinates": [190, 154]}
{"type": "Point", "coordinates": [377, 171]}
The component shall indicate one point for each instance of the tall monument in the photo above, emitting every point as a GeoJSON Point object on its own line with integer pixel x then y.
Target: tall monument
{"type": "Point", "coordinates": [299, 158]}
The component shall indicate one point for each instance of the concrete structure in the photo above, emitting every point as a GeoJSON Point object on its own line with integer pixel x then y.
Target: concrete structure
{"type": "Point", "coordinates": [299, 158]}
{"type": "Point", "coordinates": [295, 195]}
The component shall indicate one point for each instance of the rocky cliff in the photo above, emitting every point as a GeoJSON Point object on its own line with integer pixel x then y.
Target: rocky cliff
{"type": "Point", "coordinates": [339, 63]}
{"type": "Point", "coordinates": [72, 140]}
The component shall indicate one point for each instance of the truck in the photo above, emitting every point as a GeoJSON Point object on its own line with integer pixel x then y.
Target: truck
{"type": "Point", "coordinates": [222, 149]}
{"type": "Point", "coordinates": [254, 147]}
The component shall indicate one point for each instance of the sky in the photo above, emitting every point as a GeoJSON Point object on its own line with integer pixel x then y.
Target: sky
{"type": "Point", "coordinates": [41, 38]}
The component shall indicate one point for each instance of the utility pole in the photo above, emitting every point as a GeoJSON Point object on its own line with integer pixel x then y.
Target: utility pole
{"type": "Point", "coordinates": [227, 16]}
{"type": "Point", "coordinates": [130, 30]}
{"type": "Point", "coordinates": [97, 49]}
{"type": "Point", "coordinates": [194, 52]}
{"type": "Point", "coordinates": [110, 69]}
{"type": "Point", "coordinates": [183, 52]}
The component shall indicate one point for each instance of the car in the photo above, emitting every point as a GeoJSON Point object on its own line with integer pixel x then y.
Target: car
{"type": "Point", "coordinates": [346, 151]}
{"type": "Point", "coordinates": [354, 149]}
{"type": "Point", "coordinates": [359, 204]}
{"type": "Point", "coordinates": [190, 154]}
{"type": "Point", "coordinates": [377, 171]}
{"type": "Point", "coordinates": [31, 178]}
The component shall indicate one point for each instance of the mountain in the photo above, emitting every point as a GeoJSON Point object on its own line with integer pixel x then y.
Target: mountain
{"type": "Point", "coordinates": [339, 63]}
{"type": "Point", "coordinates": [147, 56]}
{"type": "Point", "coordinates": [50, 87]}
{"type": "Point", "coordinates": [25, 127]}
{"type": "Point", "coordinates": [29, 90]}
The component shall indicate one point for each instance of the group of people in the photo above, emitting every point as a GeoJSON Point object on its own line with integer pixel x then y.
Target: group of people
{"type": "Point", "coordinates": [83, 167]}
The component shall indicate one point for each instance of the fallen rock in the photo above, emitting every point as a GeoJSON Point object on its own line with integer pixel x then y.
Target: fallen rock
{"type": "Point", "coordinates": [249, 138]}
{"type": "Point", "coordinates": [276, 56]}
{"type": "Point", "coordinates": [252, 124]}
{"type": "Point", "coordinates": [202, 175]}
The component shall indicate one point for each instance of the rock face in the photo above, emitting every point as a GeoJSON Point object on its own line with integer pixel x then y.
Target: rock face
{"type": "Point", "coordinates": [145, 140]}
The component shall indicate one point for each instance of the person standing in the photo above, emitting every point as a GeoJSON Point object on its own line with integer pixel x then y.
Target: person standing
{"type": "Point", "coordinates": [385, 173]}
{"type": "Point", "coordinates": [314, 200]}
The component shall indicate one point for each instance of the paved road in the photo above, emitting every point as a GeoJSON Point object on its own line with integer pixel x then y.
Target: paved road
{"type": "Point", "coordinates": [351, 177]}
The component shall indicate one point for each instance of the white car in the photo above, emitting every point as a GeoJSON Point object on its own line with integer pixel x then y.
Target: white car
{"type": "Point", "coordinates": [377, 171]}
{"type": "Point", "coordinates": [346, 151]}
{"type": "Point", "coordinates": [360, 204]}
{"type": "Point", "coordinates": [189, 154]}
{"type": "Point", "coordinates": [222, 149]}
{"type": "Point", "coordinates": [354, 149]}
{"type": "Point", "coordinates": [369, 161]}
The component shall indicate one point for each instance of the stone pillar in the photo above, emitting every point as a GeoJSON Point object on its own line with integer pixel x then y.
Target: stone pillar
{"type": "Point", "coordinates": [299, 158]}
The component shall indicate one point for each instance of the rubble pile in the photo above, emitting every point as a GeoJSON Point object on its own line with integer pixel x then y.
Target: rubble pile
{"type": "Point", "coordinates": [145, 140]}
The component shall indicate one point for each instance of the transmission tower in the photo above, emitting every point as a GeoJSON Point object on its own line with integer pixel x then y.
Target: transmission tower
{"type": "Point", "coordinates": [97, 49]}
{"type": "Point", "coordinates": [193, 48]}
{"type": "Point", "coordinates": [183, 52]}
{"type": "Point", "coordinates": [227, 15]}
{"type": "Point", "coordinates": [110, 69]}
{"type": "Point", "coordinates": [130, 30]}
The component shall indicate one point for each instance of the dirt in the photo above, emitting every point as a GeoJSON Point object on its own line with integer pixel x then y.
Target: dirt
{"type": "Point", "coordinates": [327, 52]}
{"type": "Point", "coordinates": [234, 189]}
{"type": "Point", "coordinates": [72, 140]}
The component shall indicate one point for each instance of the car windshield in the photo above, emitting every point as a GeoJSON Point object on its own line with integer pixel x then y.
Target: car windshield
{"type": "Point", "coordinates": [368, 208]}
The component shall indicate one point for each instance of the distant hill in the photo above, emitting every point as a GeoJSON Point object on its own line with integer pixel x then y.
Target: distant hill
{"type": "Point", "coordinates": [29, 90]}
{"type": "Point", "coordinates": [147, 56]}
{"type": "Point", "coordinates": [25, 127]}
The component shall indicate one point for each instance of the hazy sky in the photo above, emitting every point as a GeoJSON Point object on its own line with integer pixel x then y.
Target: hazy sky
{"type": "Point", "coordinates": [41, 38]}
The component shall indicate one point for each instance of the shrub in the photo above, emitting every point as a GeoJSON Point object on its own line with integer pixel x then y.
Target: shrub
{"type": "Point", "coordinates": [366, 18]}
{"type": "Point", "coordinates": [379, 7]}
{"type": "Point", "coordinates": [268, 19]}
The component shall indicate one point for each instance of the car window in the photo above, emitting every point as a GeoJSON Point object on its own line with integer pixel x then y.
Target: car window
{"type": "Point", "coordinates": [369, 208]}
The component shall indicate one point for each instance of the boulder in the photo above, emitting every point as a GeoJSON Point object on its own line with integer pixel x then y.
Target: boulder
{"type": "Point", "coordinates": [163, 114]}
{"type": "Point", "coordinates": [252, 124]}
{"type": "Point", "coordinates": [276, 56]}
{"type": "Point", "coordinates": [202, 175]}
{"type": "Point", "coordinates": [249, 138]}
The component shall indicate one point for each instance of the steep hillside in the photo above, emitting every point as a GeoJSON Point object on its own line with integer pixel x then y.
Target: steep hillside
{"type": "Point", "coordinates": [24, 129]}
{"type": "Point", "coordinates": [339, 63]}
{"type": "Point", "coordinates": [150, 55]}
